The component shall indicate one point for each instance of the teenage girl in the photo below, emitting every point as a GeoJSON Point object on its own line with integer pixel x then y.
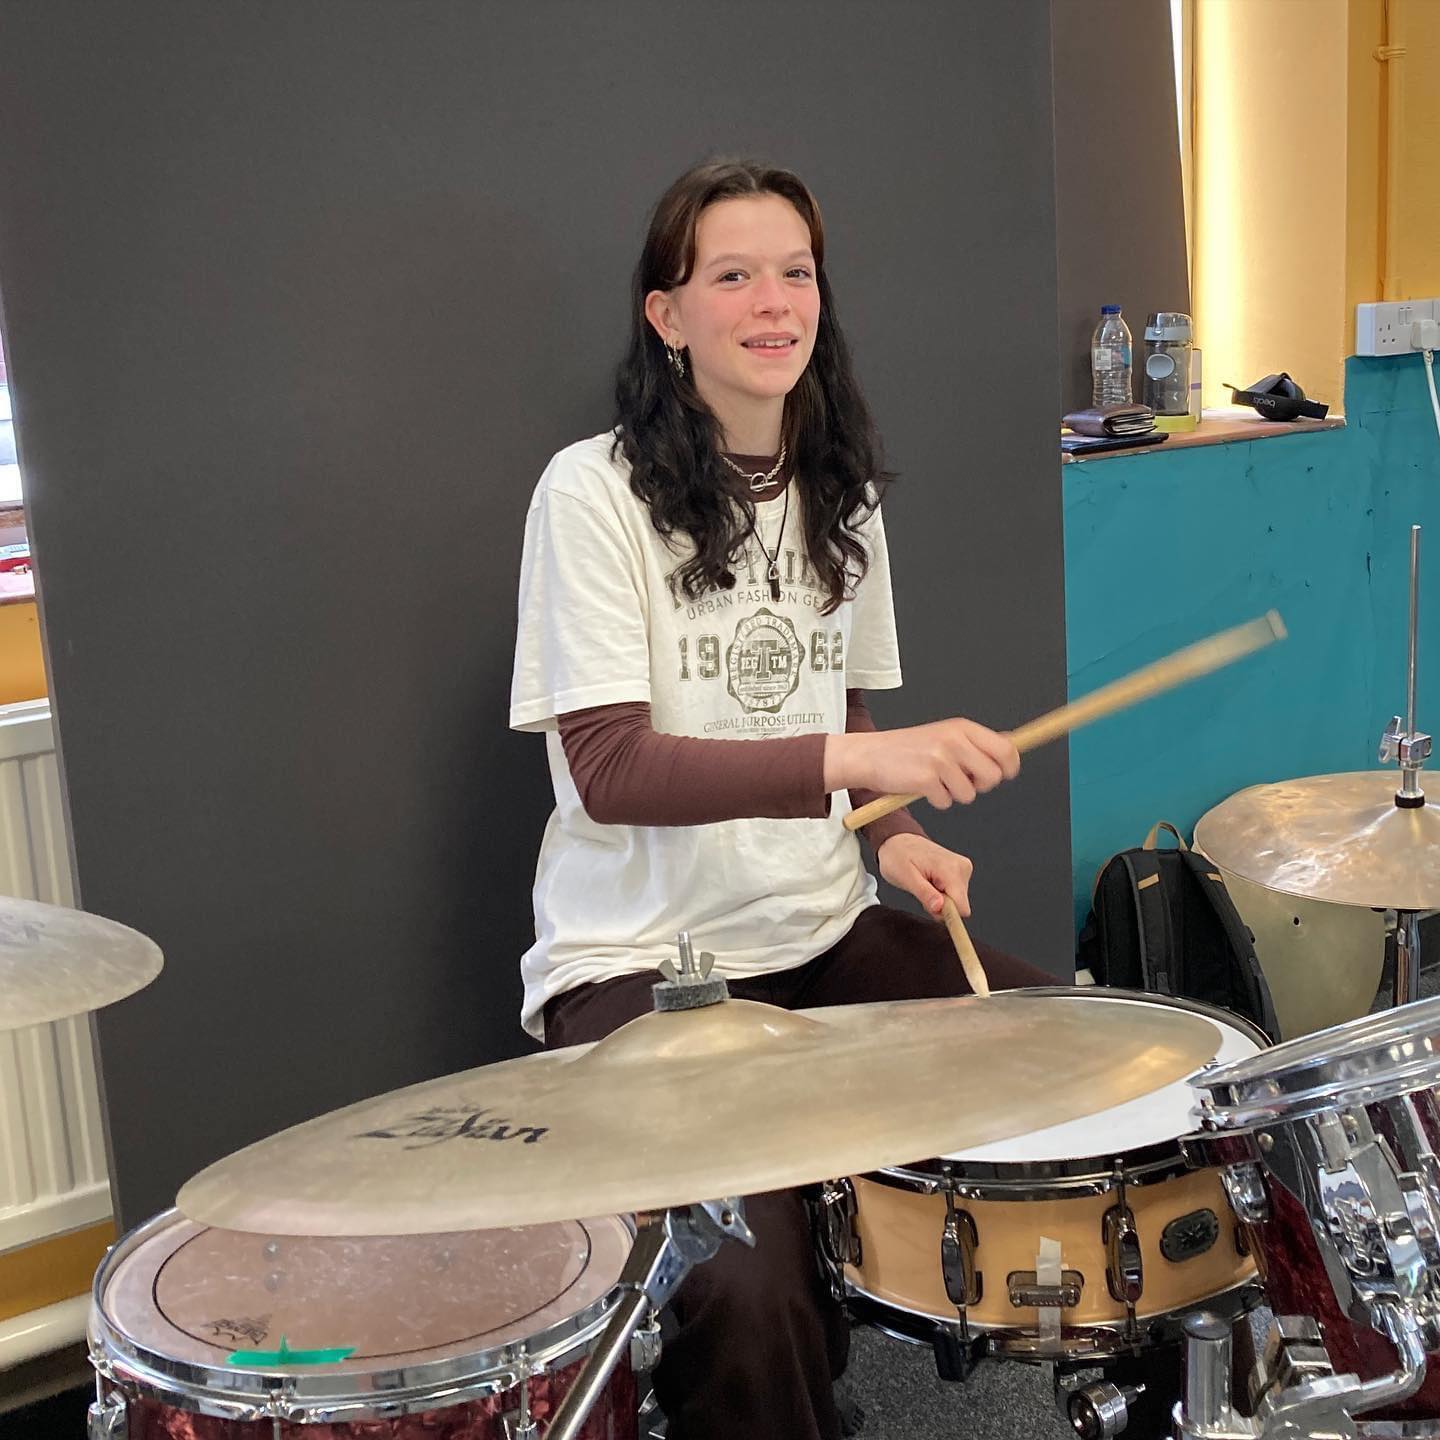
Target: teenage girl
{"type": "Point", "coordinates": [704, 601]}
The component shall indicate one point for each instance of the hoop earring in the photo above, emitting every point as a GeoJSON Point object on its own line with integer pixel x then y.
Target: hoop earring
{"type": "Point", "coordinates": [677, 360]}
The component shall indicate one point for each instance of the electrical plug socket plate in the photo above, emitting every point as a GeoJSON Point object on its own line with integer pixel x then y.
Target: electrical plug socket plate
{"type": "Point", "coordinates": [1392, 327]}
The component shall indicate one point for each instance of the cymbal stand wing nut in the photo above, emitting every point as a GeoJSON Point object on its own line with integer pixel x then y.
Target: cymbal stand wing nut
{"type": "Point", "coordinates": [692, 985]}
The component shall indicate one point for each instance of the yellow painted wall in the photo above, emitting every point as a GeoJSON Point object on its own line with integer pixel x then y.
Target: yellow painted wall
{"type": "Point", "coordinates": [1363, 160]}
{"type": "Point", "coordinates": [1415, 207]}
{"type": "Point", "coordinates": [1270, 216]}
{"type": "Point", "coordinates": [22, 661]}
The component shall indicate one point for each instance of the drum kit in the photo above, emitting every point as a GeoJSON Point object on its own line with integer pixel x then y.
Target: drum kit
{"type": "Point", "coordinates": [487, 1255]}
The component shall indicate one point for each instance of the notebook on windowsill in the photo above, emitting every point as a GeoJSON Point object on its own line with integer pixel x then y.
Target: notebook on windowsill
{"type": "Point", "coordinates": [1096, 444]}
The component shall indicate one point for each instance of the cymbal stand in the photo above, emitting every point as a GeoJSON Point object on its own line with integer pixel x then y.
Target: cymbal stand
{"type": "Point", "coordinates": [1404, 744]}
{"type": "Point", "coordinates": [665, 1252]}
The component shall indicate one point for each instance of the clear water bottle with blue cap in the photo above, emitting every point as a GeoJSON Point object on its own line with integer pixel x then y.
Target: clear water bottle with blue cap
{"type": "Point", "coordinates": [1110, 359]}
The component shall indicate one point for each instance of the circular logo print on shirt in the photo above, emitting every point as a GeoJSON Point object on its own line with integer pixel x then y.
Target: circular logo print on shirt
{"type": "Point", "coordinates": [763, 662]}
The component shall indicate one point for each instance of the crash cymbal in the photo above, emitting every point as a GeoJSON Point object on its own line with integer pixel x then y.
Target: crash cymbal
{"type": "Point", "coordinates": [56, 962]}
{"type": "Point", "coordinates": [732, 1099]}
{"type": "Point", "coordinates": [1339, 838]}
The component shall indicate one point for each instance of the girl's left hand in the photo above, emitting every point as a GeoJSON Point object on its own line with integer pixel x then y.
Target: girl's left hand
{"type": "Point", "coordinates": [929, 872]}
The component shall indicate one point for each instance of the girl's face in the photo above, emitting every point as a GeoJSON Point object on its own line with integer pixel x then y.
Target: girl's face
{"type": "Point", "coordinates": [749, 311]}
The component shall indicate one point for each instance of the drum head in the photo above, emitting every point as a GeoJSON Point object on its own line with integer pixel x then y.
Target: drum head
{"type": "Point", "coordinates": [1151, 1120]}
{"type": "Point", "coordinates": [194, 1295]}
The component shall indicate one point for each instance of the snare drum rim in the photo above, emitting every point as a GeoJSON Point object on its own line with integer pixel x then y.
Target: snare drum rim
{"type": "Point", "coordinates": [1357, 1062]}
{"type": "Point", "coordinates": [1082, 1175]}
{"type": "Point", "coordinates": [316, 1397]}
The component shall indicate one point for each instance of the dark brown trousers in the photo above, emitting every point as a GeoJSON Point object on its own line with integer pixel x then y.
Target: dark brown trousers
{"type": "Point", "coordinates": [760, 1342]}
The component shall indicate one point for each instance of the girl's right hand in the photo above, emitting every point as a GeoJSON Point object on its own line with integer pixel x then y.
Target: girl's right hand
{"type": "Point", "coordinates": [946, 761]}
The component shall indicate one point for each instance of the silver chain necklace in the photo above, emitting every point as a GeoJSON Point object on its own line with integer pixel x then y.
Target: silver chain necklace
{"type": "Point", "coordinates": [760, 479]}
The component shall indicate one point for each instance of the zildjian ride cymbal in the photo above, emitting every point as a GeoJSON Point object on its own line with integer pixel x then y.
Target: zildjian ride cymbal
{"type": "Point", "coordinates": [734, 1098]}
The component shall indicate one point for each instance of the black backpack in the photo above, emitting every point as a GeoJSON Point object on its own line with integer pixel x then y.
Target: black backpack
{"type": "Point", "coordinates": [1164, 921]}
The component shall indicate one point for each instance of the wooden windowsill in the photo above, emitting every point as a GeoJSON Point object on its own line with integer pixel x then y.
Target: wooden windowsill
{"type": "Point", "coordinates": [1226, 425]}
{"type": "Point", "coordinates": [16, 589]}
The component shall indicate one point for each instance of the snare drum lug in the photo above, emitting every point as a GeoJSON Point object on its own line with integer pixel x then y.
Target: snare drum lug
{"type": "Point", "coordinates": [108, 1418]}
{"type": "Point", "coordinates": [964, 1284]}
{"type": "Point", "coordinates": [838, 1236]}
{"type": "Point", "coordinates": [1124, 1265]}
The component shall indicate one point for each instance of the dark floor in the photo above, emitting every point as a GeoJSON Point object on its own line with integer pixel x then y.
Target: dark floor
{"type": "Point", "coordinates": [58, 1390]}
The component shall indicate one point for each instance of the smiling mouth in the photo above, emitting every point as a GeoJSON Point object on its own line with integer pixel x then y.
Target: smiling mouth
{"type": "Point", "coordinates": [787, 344]}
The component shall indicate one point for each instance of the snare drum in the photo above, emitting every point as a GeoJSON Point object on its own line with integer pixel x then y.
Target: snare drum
{"type": "Point", "coordinates": [1330, 1144]}
{"type": "Point", "coordinates": [203, 1334]}
{"type": "Point", "coordinates": [1078, 1242]}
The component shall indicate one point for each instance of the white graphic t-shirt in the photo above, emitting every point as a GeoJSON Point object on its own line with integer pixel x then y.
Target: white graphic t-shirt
{"type": "Point", "coordinates": [602, 621]}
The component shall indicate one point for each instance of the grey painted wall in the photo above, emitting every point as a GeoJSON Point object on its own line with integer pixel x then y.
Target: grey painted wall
{"type": "Point", "coordinates": [299, 300]}
{"type": "Point", "coordinates": [1120, 202]}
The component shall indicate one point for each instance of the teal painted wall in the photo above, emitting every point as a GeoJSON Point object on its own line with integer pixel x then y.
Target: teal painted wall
{"type": "Point", "coordinates": [1165, 548]}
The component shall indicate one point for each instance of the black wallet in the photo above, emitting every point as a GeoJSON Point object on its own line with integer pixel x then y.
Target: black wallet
{"type": "Point", "coordinates": [1103, 420]}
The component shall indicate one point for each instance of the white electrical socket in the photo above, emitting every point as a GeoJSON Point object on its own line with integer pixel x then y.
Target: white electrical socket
{"type": "Point", "coordinates": [1390, 327]}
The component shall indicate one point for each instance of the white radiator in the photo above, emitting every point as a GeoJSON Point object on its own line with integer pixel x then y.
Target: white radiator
{"type": "Point", "coordinates": [52, 1146]}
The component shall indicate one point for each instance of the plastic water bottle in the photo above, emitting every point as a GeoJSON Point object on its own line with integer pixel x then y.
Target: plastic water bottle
{"type": "Point", "coordinates": [1110, 359]}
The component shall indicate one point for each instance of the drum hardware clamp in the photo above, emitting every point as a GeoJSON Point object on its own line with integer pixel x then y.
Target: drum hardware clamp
{"type": "Point", "coordinates": [645, 1345]}
{"type": "Point", "coordinates": [1297, 1392]}
{"type": "Point", "coordinates": [1101, 1410]}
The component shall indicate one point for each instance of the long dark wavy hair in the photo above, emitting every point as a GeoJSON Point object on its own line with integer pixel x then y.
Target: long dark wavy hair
{"type": "Point", "coordinates": [673, 440]}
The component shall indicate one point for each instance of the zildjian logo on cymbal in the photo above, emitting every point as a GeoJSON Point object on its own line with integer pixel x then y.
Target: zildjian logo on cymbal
{"type": "Point", "coordinates": [449, 1122]}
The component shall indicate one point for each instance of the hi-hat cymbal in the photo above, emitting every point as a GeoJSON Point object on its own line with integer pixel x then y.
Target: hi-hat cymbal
{"type": "Point", "coordinates": [1339, 838]}
{"type": "Point", "coordinates": [56, 962]}
{"type": "Point", "coordinates": [734, 1099]}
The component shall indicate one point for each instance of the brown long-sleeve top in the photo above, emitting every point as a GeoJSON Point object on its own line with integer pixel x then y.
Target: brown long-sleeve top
{"type": "Point", "coordinates": [627, 773]}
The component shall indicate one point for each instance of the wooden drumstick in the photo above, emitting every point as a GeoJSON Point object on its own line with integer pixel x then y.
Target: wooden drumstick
{"type": "Point", "coordinates": [964, 947]}
{"type": "Point", "coordinates": [1188, 664]}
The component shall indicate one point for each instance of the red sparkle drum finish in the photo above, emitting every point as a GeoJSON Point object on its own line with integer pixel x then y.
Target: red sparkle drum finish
{"type": "Point", "coordinates": [1295, 1131]}
{"type": "Point", "coordinates": [194, 1332]}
